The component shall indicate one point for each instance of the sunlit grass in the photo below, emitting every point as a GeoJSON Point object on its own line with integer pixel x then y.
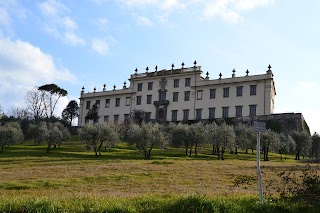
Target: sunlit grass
{"type": "Point", "coordinates": [73, 174]}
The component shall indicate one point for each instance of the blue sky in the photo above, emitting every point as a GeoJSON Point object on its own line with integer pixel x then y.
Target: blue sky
{"type": "Point", "coordinates": [92, 42]}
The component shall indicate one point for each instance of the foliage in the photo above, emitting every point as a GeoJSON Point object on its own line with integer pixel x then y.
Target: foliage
{"type": "Point", "coordinates": [138, 116]}
{"type": "Point", "coordinates": [303, 142]}
{"type": "Point", "coordinates": [10, 134]}
{"type": "Point", "coordinates": [178, 135]}
{"type": "Point", "coordinates": [146, 137]}
{"type": "Point", "coordinates": [245, 137]}
{"type": "Point", "coordinates": [54, 135]}
{"type": "Point", "coordinates": [93, 137]}
{"type": "Point", "coordinates": [315, 147]}
{"type": "Point", "coordinates": [51, 93]}
{"type": "Point", "coordinates": [93, 113]}
{"type": "Point", "coordinates": [71, 111]}
{"type": "Point", "coordinates": [38, 132]}
{"type": "Point", "coordinates": [270, 141]}
{"type": "Point", "coordinates": [221, 137]}
{"type": "Point", "coordinates": [36, 103]}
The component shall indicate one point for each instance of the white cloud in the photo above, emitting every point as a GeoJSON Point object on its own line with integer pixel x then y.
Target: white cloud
{"type": "Point", "coordinates": [144, 21]}
{"type": "Point", "coordinates": [100, 46]}
{"type": "Point", "coordinates": [24, 66]}
{"type": "Point", "coordinates": [171, 5]}
{"type": "Point", "coordinates": [5, 19]}
{"type": "Point", "coordinates": [135, 3]}
{"type": "Point", "coordinates": [73, 39]}
{"type": "Point", "coordinates": [58, 24]}
{"type": "Point", "coordinates": [229, 10]}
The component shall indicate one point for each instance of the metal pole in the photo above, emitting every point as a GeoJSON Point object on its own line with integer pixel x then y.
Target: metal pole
{"type": "Point", "coordinates": [258, 168]}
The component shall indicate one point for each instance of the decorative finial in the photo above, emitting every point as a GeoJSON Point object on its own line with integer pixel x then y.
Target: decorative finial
{"type": "Point", "coordinates": [182, 65]}
{"type": "Point", "coordinates": [156, 68]}
{"type": "Point", "coordinates": [233, 73]}
{"type": "Point", "coordinates": [269, 67]}
{"type": "Point", "coordinates": [82, 89]}
{"type": "Point", "coordinates": [104, 87]}
{"type": "Point", "coordinates": [220, 75]}
{"type": "Point", "coordinates": [207, 74]}
{"type": "Point", "coordinates": [247, 72]}
{"type": "Point", "coordinates": [172, 66]}
{"type": "Point", "coordinates": [114, 87]}
{"type": "Point", "coordinates": [94, 89]}
{"type": "Point", "coordinates": [195, 63]}
{"type": "Point", "coordinates": [124, 85]}
{"type": "Point", "coordinates": [136, 70]}
{"type": "Point", "coordinates": [147, 69]}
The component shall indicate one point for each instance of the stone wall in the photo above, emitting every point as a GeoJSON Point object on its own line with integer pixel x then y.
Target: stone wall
{"type": "Point", "coordinates": [284, 122]}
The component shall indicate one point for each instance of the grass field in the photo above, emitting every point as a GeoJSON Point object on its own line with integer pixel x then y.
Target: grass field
{"type": "Point", "coordinates": [122, 175]}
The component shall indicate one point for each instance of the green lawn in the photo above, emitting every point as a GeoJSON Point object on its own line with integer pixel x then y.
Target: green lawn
{"type": "Point", "coordinates": [122, 177]}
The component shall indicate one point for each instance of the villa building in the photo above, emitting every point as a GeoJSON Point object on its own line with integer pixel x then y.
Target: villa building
{"type": "Point", "coordinates": [183, 95]}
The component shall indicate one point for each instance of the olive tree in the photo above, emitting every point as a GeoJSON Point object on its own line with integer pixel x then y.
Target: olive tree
{"type": "Point", "coordinates": [245, 137]}
{"type": "Point", "coordinates": [38, 132]}
{"type": "Point", "coordinates": [196, 137]}
{"type": "Point", "coordinates": [222, 138]}
{"type": "Point", "coordinates": [213, 136]}
{"type": "Point", "coordinates": [146, 137]}
{"type": "Point", "coordinates": [178, 136]}
{"type": "Point", "coordinates": [315, 147]}
{"type": "Point", "coordinates": [270, 141]}
{"type": "Point", "coordinates": [54, 136]}
{"type": "Point", "coordinates": [227, 138]}
{"type": "Point", "coordinates": [95, 136]}
{"type": "Point", "coordinates": [286, 145]}
{"type": "Point", "coordinates": [302, 140]}
{"type": "Point", "coordinates": [10, 134]}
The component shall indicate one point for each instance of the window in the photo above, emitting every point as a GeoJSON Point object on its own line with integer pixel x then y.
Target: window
{"type": "Point", "coordinates": [238, 111]}
{"type": "Point", "coordinates": [162, 97]}
{"type": "Point", "coordinates": [212, 93]}
{"type": "Point", "coordinates": [116, 119]}
{"type": "Point", "coordinates": [239, 91]}
{"type": "Point", "coordinates": [88, 105]}
{"type": "Point", "coordinates": [187, 82]}
{"type": "Point", "coordinates": [107, 105]}
{"type": "Point", "coordinates": [126, 117]}
{"type": "Point", "coordinates": [149, 99]}
{"type": "Point", "coordinates": [117, 102]}
{"type": "Point", "coordinates": [150, 86]}
{"type": "Point", "coordinates": [106, 118]}
{"type": "Point", "coordinates": [225, 112]}
{"type": "Point", "coordinates": [185, 114]}
{"type": "Point", "coordinates": [253, 89]}
{"type": "Point", "coordinates": [148, 116]}
{"type": "Point", "coordinates": [98, 104]}
{"type": "Point", "coordinates": [226, 92]}
{"type": "Point", "coordinates": [140, 87]}
{"type": "Point", "coordinates": [128, 101]}
{"type": "Point", "coordinates": [199, 94]}
{"type": "Point", "coordinates": [175, 97]}
{"type": "Point", "coordinates": [176, 83]}
{"type": "Point", "coordinates": [253, 110]}
{"type": "Point", "coordinates": [212, 112]}
{"type": "Point", "coordinates": [187, 96]}
{"type": "Point", "coordinates": [198, 114]}
{"type": "Point", "coordinates": [138, 100]}
{"type": "Point", "coordinates": [174, 115]}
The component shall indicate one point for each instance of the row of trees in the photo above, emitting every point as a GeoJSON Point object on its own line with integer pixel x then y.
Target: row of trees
{"type": "Point", "coordinates": [222, 138]}
{"type": "Point", "coordinates": [41, 104]}
{"type": "Point", "coordinates": [52, 134]}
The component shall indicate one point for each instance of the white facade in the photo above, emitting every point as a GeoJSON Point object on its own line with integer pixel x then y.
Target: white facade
{"type": "Point", "coordinates": [163, 95]}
